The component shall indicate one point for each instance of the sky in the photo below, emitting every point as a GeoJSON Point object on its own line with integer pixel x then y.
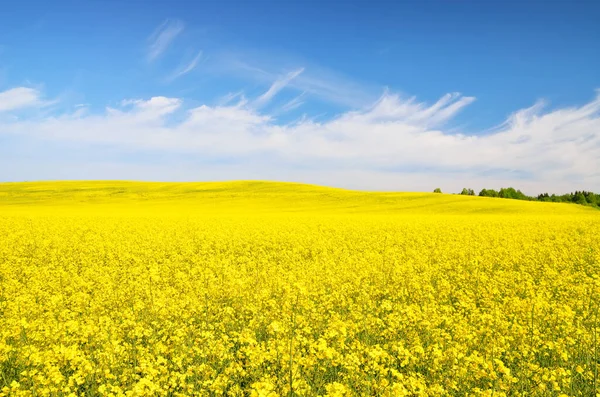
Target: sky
{"type": "Point", "coordinates": [370, 95]}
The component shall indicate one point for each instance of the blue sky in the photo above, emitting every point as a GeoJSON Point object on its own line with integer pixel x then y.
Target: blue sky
{"type": "Point", "coordinates": [360, 94]}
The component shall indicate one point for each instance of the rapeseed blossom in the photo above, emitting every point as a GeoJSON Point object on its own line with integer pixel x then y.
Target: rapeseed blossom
{"type": "Point", "coordinates": [117, 289]}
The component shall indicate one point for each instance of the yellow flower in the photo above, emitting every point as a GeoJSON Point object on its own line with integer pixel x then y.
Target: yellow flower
{"type": "Point", "coordinates": [336, 389]}
{"type": "Point", "coordinates": [133, 289]}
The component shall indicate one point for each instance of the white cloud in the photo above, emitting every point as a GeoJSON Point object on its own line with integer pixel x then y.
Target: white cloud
{"type": "Point", "coordinates": [162, 37]}
{"type": "Point", "coordinates": [157, 106]}
{"type": "Point", "coordinates": [390, 107]}
{"type": "Point", "coordinates": [230, 97]}
{"type": "Point", "coordinates": [276, 87]}
{"type": "Point", "coordinates": [320, 83]}
{"type": "Point", "coordinates": [18, 98]}
{"type": "Point", "coordinates": [294, 103]}
{"type": "Point", "coordinates": [333, 88]}
{"type": "Point", "coordinates": [394, 139]}
{"type": "Point", "coordinates": [186, 68]}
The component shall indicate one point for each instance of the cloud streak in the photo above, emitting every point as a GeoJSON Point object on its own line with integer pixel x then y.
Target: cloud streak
{"type": "Point", "coordinates": [293, 103]}
{"type": "Point", "coordinates": [162, 37]}
{"type": "Point", "coordinates": [322, 84]}
{"type": "Point", "coordinates": [186, 68]}
{"type": "Point", "coordinates": [276, 87]}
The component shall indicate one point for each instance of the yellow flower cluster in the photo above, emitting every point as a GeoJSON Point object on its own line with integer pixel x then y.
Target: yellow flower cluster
{"type": "Point", "coordinates": [116, 289]}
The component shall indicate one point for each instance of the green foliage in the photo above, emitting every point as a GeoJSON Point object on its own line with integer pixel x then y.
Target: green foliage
{"type": "Point", "coordinates": [511, 193]}
{"type": "Point", "coordinates": [468, 192]}
{"type": "Point", "coordinates": [544, 197]}
{"type": "Point", "coordinates": [437, 190]}
{"type": "Point", "coordinates": [579, 197]}
{"type": "Point", "coordinates": [488, 193]}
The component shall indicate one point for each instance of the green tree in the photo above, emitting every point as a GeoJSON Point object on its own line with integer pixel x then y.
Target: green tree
{"type": "Point", "coordinates": [488, 193]}
{"type": "Point", "coordinates": [507, 192]}
{"type": "Point", "coordinates": [511, 193]}
{"type": "Point", "coordinates": [437, 190]}
{"type": "Point", "coordinates": [579, 198]}
{"type": "Point", "coordinates": [544, 197]}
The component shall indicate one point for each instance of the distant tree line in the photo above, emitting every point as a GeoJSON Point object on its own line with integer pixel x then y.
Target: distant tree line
{"type": "Point", "coordinates": [579, 197]}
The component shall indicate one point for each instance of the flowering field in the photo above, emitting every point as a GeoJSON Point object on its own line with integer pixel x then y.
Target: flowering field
{"type": "Point", "coordinates": [264, 289]}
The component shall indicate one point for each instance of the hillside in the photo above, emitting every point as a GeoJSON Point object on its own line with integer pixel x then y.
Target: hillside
{"type": "Point", "coordinates": [254, 197]}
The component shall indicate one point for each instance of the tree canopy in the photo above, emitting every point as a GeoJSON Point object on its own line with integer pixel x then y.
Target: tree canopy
{"type": "Point", "coordinates": [579, 197]}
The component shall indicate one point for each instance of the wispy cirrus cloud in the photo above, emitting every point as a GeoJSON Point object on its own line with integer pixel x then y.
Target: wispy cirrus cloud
{"type": "Point", "coordinates": [276, 87]}
{"type": "Point", "coordinates": [162, 37]}
{"type": "Point", "coordinates": [322, 84]}
{"type": "Point", "coordinates": [186, 68]}
{"type": "Point", "coordinates": [231, 97]}
{"type": "Point", "coordinates": [536, 148]}
{"type": "Point", "coordinates": [294, 103]}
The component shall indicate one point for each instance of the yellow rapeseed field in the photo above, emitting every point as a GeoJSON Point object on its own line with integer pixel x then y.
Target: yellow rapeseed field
{"type": "Point", "coordinates": [272, 289]}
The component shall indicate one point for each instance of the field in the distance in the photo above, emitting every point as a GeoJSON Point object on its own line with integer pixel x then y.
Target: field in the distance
{"type": "Point", "coordinates": [273, 289]}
